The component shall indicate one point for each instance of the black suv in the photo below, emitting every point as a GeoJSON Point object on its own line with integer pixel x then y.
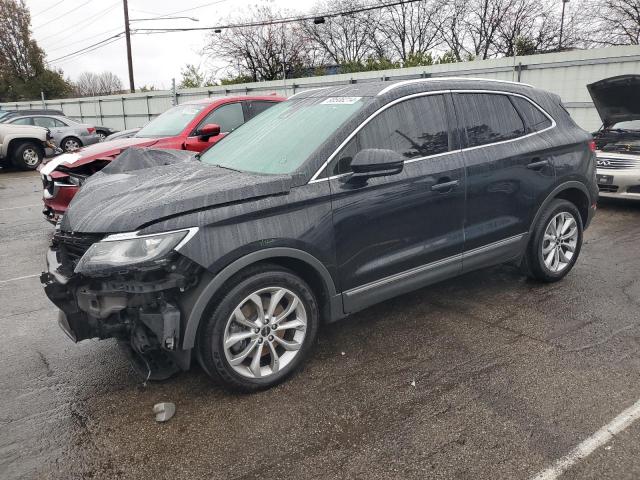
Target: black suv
{"type": "Point", "coordinates": [323, 205]}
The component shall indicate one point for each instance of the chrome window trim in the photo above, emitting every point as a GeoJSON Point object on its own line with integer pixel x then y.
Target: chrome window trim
{"type": "Point", "coordinates": [440, 79]}
{"type": "Point", "coordinates": [315, 179]}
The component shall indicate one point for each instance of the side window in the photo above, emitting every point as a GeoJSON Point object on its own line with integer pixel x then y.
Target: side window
{"type": "Point", "coordinates": [22, 121]}
{"type": "Point", "coordinates": [258, 106]}
{"type": "Point", "coordinates": [489, 118]}
{"type": "Point", "coordinates": [46, 122]}
{"type": "Point", "coordinates": [60, 123]}
{"type": "Point", "coordinates": [228, 116]}
{"type": "Point", "coordinates": [533, 117]}
{"type": "Point", "coordinates": [414, 128]}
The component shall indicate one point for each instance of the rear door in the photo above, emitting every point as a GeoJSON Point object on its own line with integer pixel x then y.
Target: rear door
{"type": "Point", "coordinates": [398, 232]}
{"type": "Point", "coordinates": [507, 165]}
{"type": "Point", "coordinates": [229, 116]}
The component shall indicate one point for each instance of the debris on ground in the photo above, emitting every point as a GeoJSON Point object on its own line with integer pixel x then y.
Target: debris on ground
{"type": "Point", "coordinates": [164, 411]}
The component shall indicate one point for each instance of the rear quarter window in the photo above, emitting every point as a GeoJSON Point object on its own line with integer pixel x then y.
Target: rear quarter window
{"type": "Point", "coordinates": [533, 117]}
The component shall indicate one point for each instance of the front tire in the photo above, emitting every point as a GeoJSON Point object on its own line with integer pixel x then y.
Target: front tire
{"type": "Point", "coordinates": [27, 156]}
{"type": "Point", "coordinates": [556, 242]}
{"type": "Point", "coordinates": [259, 330]}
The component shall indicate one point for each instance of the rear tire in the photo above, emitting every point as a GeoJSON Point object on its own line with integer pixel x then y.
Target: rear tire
{"type": "Point", "coordinates": [70, 144]}
{"type": "Point", "coordinates": [555, 243]}
{"type": "Point", "coordinates": [270, 349]}
{"type": "Point", "coordinates": [27, 156]}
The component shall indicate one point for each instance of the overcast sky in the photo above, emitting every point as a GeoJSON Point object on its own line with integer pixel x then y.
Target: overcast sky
{"type": "Point", "coordinates": [64, 26]}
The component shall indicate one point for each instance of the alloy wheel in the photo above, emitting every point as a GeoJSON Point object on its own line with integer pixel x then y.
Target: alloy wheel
{"type": "Point", "coordinates": [71, 145]}
{"type": "Point", "coordinates": [30, 157]}
{"type": "Point", "coordinates": [265, 332]}
{"type": "Point", "coordinates": [559, 242]}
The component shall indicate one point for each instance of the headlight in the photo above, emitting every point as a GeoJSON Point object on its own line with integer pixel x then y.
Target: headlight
{"type": "Point", "coordinates": [118, 251]}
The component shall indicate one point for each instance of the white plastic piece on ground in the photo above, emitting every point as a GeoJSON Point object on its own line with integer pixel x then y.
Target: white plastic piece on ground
{"type": "Point", "coordinates": [164, 411]}
{"type": "Point", "coordinates": [413, 383]}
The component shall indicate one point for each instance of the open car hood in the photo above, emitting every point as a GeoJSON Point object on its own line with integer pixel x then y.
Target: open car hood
{"type": "Point", "coordinates": [123, 197]}
{"type": "Point", "coordinates": [617, 99]}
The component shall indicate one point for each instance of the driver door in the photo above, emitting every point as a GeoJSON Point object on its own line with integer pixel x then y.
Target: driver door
{"type": "Point", "coordinates": [229, 116]}
{"type": "Point", "coordinates": [398, 232]}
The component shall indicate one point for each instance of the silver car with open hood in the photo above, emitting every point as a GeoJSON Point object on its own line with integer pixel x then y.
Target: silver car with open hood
{"type": "Point", "coordinates": [617, 100]}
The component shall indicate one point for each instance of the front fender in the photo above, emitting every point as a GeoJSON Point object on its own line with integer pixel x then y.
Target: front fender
{"type": "Point", "coordinates": [196, 304]}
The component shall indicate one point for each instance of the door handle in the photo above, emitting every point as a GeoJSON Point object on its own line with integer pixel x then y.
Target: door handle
{"type": "Point", "coordinates": [445, 185]}
{"type": "Point", "coordinates": [537, 164]}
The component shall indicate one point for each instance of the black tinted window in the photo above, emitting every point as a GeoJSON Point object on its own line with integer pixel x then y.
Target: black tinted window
{"type": "Point", "coordinates": [257, 107]}
{"type": "Point", "coordinates": [488, 118]}
{"type": "Point", "coordinates": [228, 116]}
{"type": "Point", "coordinates": [534, 118]}
{"type": "Point", "coordinates": [414, 128]}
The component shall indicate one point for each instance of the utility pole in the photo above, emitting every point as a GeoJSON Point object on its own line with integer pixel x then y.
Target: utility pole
{"type": "Point", "coordinates": [127, 35]}
{"type": "Point", "coordinates": [564, 3]}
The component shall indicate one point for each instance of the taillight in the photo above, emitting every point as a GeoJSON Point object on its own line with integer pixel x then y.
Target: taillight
{"type": "Point", "coordinates": [91, 129]}
{"type": "Point", "coordinates": [592, 145]}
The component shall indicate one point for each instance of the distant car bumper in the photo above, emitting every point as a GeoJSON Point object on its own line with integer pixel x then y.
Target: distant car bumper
{"type": "Point", "coordinates": [90, 139]}
{"type": "Point", "coordinates": [619, 183]}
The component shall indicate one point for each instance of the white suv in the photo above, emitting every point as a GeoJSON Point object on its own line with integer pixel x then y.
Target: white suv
{"type": "Point", "coordinates": [23, 146]}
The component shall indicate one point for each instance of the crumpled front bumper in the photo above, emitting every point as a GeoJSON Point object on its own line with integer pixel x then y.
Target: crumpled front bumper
{"type": "Point", "coordinates": [115, 308]}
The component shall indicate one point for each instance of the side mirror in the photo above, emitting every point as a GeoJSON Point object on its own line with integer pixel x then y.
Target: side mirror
{"type": "Point", "coordinates": [209, 130]}
{"type": "Point", "coordinates": [375, 162]}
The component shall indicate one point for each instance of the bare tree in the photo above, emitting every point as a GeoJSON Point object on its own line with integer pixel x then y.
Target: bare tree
{"type": "Point", "coordinates": [617, 22]}
{"type": "Point", "coordinates": [91, 84]}
{"type": "Point", "coordinates": [345, 38]}
{"type": "Point", "coordinates": [451, 28]}
{"type": "Point", "coordinates": [533, 23]}
{"type": "Point", "coordinates": [408, 30]}
{"type": "Point", "coordinates": [482, 24]}
{"type": "Point", "coordinates": [259, 51]}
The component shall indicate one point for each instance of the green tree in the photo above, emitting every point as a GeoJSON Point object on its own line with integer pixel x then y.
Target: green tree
{"type": "Point", "coordinates": [194, 77]}
{"type": "Point", "coordinates": [23, 74]}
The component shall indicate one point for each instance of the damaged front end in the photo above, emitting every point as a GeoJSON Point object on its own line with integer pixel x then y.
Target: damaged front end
{"type": "Point", "coordinates": [124, 286]}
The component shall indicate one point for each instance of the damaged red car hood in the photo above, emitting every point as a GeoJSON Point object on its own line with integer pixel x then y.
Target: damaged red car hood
{"type": "Point", "coordinates": [104, 150]}
{"type": "Point", "coordinates": [617, 99]}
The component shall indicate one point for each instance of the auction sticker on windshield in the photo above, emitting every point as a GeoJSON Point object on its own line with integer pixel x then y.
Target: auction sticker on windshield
{"type": "Point", "coordinates": [340, 100]}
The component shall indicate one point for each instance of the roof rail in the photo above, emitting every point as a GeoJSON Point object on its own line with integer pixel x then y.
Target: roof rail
{"type": "Point", "coordinates": [432, 79]}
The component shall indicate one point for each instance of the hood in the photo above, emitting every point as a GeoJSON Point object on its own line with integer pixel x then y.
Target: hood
{"type": "Point", "coordinates": [95, 152]}
{"type": "Point", "coordinates": [617, 99]}
{"type": "Point", "coordinates": [22, 129]}
{"type": "Point", "coordinates": [126, 201]}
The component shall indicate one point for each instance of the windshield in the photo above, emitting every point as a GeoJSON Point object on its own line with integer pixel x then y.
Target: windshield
{"type": "Point", "coordinates": [171, 122]}
{"type": "Point", "coordinates": [628, 125]}
{"type": "Point", "coordinates": [281, 139]}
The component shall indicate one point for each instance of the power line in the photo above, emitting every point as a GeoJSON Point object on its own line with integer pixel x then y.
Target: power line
{"type": "Point", "coordinates": [84, 25]}
{"type": "Point", "coordinates": [114, 40]}
{"type": "Point", "coordinates": [65, 13]}
{"type": "Point", "coordinates": [46, 9]}
{"type": "Point", "coordinates": [193, 8]}
{"type": "Point", "coordinates": [85, 49]}
{"type": "Point", "coordinates": [74, 43]}
{"type": "Point", "coordinates": [281, 20]}
{"type": "Point", "coordinates": [150, 31]}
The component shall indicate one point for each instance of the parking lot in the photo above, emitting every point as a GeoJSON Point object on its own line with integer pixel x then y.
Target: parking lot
{"type": "Point", "coordinates": [485, 376]}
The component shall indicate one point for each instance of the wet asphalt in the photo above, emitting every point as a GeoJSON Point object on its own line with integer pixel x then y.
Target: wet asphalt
{"type": "Point", "coordinates": [509, 376]}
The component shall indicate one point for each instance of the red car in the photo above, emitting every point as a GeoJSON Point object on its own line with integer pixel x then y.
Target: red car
{"type": "Point", "coordinates": [189, 126]}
